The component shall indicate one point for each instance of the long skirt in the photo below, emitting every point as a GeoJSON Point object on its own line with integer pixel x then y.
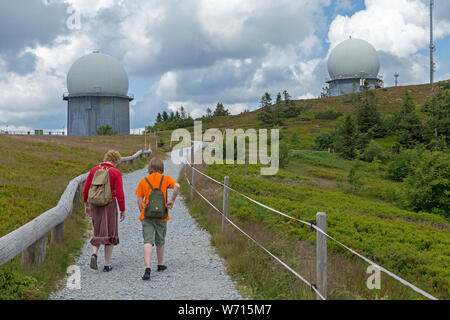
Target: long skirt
{"type": "Point", "coordinates": [105, 222]}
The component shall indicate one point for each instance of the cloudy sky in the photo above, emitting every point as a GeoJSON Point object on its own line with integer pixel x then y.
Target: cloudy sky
{"type": "Point", "coordinates": [196, 53]}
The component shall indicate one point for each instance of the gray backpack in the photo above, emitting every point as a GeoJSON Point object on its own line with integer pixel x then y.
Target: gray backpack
{"type": "Point", "coordinates": [100, 193]}
{"type": "Point", "coordinates": [156, 206]}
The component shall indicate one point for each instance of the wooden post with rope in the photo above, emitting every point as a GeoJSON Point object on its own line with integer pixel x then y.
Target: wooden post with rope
{"type": "Point", "coordinates": [225, 204]}
{"type": "Point", "coordinates": [321, 254]}
{"type": "Point", "coordinates": [193, 172]}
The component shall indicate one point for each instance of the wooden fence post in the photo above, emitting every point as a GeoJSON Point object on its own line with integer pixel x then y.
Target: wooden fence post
{"type": "Point", "coordinates": [225, 203]}
{"type": "Point", "coordinates": [321, 254]}
{"type": "Point", "coordinates": [57, 234]}
{"type": "Point", "coordinates": [193, 172]}
{"type": "Point", "coordinates": [34, 255]}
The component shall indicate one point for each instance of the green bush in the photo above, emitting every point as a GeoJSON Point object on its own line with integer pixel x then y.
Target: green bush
{"type": "Point", "coordinates": [324, 141]}
{"type": "Point", "coordinates": [14, 286]}
{"type": "Point", "coordinates": [374, 151]}
{"type": "Point", "coordinates": [401, 165]}
{"type": "Point", "coordinates": [106, 131]}
{"type": "Point", "coordinates": [329, 114]}
{"type": "Point", "coordinates": [427, 186]}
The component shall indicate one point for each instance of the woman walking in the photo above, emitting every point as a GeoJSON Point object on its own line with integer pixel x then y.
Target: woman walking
{"type": "Point", "coordinates": [105, 216]}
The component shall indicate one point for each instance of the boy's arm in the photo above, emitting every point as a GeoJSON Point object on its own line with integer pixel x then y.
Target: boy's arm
{"type": "Point", "coordinates": [139, 202]}
{"type": "Point", "coordinates": [176, 190]}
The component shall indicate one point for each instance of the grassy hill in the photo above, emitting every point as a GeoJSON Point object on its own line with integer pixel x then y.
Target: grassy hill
{"type": "Point", "coordinates": [34, 172]}
{"type": "Point", "coordinates": [364, 209]}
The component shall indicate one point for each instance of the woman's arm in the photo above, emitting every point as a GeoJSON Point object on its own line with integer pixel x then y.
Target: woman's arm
{"type": "Point", "coordinates": [119, 191]}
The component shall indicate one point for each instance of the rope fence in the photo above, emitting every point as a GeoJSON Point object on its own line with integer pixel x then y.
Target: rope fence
{"type": "Point", "coordinates": [321, 295]}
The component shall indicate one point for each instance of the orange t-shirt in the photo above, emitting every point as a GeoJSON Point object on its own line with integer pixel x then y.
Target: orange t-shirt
{"type": "Point", "coordinates": [143, 189]}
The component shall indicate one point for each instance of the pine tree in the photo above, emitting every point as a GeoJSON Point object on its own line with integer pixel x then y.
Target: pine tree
{"type": "Point", "coordinates": [409, 129]}
{"type": "Point", "coordinates": [183, 115]}
{"type": "Point", "coordinates": [346, 142]}
{"type": "Point", "coordinates": [159, 118]}
{"type": "Point", "coordinates": [208, 113]}
{"type": "Point", "coordinates": [221, 111]}
{"type": "Point", "coordinates": [367, 115]}
{"type": "Point", "coordinates": [165, 116]}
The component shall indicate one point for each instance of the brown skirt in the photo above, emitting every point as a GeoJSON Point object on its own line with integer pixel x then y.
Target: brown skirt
{"type": "Point", "coordinates": [105, 221]}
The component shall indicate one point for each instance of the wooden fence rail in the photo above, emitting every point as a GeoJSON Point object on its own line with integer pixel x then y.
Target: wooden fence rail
{"type": "Point", "coordinates": [30, 238]}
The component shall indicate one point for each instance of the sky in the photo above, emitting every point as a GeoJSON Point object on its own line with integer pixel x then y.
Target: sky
{"type": "Point", "coordinates": [196, 53]}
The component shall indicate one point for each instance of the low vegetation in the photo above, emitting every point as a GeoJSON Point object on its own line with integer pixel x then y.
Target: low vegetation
{"type": "Point", "coordinates": [381, 172]}
{"type": "Point", "coordinates": [34, 172]}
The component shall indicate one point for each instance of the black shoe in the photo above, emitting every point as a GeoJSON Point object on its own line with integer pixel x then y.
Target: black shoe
{"type": "Point", "coordinates": [161, 267]}
{"type": "Point", "coordinates": [146, 275]}
{"type": "Point", "coordinates": [107, 268]}
{"type": "Point", "coordinates": [94, 262]}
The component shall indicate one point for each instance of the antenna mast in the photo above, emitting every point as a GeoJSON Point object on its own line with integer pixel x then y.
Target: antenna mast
{"type": "Point", "coordinates": [432, 47]}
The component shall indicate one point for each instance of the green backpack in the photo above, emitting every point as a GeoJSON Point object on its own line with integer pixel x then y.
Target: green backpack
{"type": "Point", "coordinates": [100, 193]}
{"type": "Point", "coordinates": [156, 206]}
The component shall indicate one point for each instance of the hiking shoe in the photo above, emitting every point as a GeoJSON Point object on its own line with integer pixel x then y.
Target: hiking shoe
{"type": "Point", "coordinates": [161, 267]}
{"type": "Point", "coordinates": [107, 268]}
{"type": "Point", "coordinates": [146, 275]}
{"type": "Point", "coordinates": [94, 262]}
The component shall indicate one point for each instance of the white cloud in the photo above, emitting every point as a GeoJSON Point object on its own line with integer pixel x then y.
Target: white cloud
{"type": "Point", "coordinates": [399, 27]}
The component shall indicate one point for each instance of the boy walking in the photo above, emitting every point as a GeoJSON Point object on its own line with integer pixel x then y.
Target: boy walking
{"type": "Point", "coordinates": [154, 230]}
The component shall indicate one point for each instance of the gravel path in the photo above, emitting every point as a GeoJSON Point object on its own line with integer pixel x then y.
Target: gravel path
{"type": "Point", "coordinates": [194, 270]}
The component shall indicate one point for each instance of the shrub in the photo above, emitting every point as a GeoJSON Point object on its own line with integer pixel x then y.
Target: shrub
{"type": "Point", "coordinates": [324, 141]}
{"type": "Point", "coordinates": [427, 186]}
{"type": "Point", "coordinates": [401, 165]}
{"type": "Point", "coordinates": [14, 286]}
{"type": "Point", "coordinates": [284, 154]}
{"type": "Point", "coordinates": [106, 131]}
{"type": "Point", "coordinates": [329, 114]}
{"type": "Point", "coordinates": [374, 151]}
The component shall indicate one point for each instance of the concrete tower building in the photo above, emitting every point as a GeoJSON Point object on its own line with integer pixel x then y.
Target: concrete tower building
{"type": "Point", "coordinates": [350, 64]}
{"type": "Point", "coordinates": [98, 96]}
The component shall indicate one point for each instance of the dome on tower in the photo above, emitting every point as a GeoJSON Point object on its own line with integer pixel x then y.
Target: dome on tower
{"type": "Point", "coordinates": [353, 58]}
{"type": "Point", "coordinates": [97, 73]}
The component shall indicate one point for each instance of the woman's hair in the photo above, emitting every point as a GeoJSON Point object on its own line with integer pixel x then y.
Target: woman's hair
{"type": "Point", "coordinates": [112, 156]}
{"type": "Point", "coordinates": [156, 166]}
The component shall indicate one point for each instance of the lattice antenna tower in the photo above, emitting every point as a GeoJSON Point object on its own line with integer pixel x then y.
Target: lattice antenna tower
{"type": "Point", "coordinates": [432, 47]}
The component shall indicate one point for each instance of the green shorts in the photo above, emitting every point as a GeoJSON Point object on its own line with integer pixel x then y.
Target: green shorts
{"type": "Point", "coordinates": [154, 231]}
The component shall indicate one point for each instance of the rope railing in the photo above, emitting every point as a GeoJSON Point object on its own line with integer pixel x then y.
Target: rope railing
{"type": "Point", "coordinates": [312, 286]}
{"type": "Point", "coordinates": [319, 230]}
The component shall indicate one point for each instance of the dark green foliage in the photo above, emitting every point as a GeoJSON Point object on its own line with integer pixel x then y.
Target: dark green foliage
{"type": "Point", "coordinates": [374, 151]}
{"type": "Point", "coordinates": [329, 114]}
{"type": "Point", "coordinates": [427, 186]}
{"type": "Point", "coordinates": [437, 123]}
{"type": "Point", "coordinates": [161, 143]}
{"type": "Point", "coordinates": [106, 131]}
{"type": "Point", "coordinates": [220, 111]}
{"type": "Point", "coordinates": [325, 141]}
{"type": "Point", "coordinates": [409, 127]}
{"type": "Point", "coordinates": [401, 165]}
{"type": "Point", "coordinates": [284, 154]}
{"type": "Point", "coordinates": [15, 286]}
{"type": "Point", "coordinates": [346, 140]}
{"type": "Point", "coordinates": [367, 114]}
{"type": "Point", "coordinates": [179, 119]}
{"type": "Point", "coordinates": [270, 114]}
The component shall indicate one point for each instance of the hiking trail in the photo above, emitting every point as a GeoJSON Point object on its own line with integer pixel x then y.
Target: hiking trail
{"type": "Point", "coordinates": [194, 270]}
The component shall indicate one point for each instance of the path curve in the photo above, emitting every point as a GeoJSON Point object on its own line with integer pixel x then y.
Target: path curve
{"type": "Point", "coordinates": [194, 271]}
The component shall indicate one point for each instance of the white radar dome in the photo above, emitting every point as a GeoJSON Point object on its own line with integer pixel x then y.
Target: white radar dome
{"type": "Point", "coordinates": [353, 58]}
{"type": "Point", "coordinates": [97, 73]}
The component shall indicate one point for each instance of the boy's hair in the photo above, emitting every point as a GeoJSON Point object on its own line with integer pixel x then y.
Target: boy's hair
{"type": "Point", "coordinates": [112, 156]}
{"type": "Point", "coordinates": [156, 166]}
